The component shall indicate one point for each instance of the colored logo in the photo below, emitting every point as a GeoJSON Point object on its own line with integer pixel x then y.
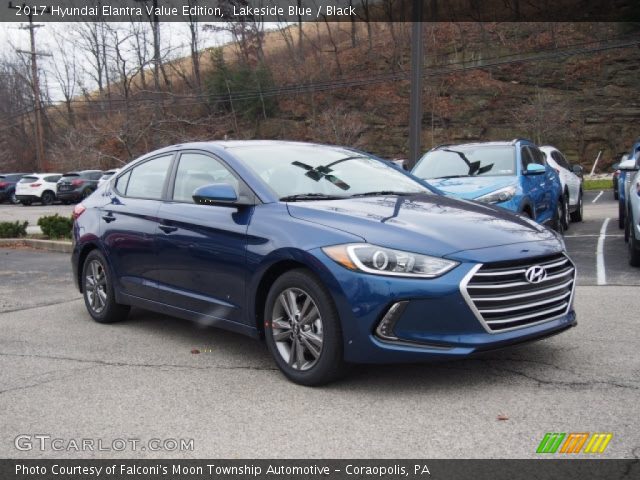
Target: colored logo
{"type": "Point", "coordinates": [574, 443]}
{"type": "Point", "coordinates": [535, 274]}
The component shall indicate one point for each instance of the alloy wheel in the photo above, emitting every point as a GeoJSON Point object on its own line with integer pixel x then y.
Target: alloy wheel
{"type": "Point", "coordinates": [96, 286]}
{"type": "Point", "coordinates": [297, 329]}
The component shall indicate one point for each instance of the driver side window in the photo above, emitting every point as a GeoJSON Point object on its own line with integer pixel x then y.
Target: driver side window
{"type": "Point", "coordinates": [196, 170]}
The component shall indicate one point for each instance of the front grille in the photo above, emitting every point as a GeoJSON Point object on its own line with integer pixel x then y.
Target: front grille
{"type": "Point", "coordinates": [504, 299]}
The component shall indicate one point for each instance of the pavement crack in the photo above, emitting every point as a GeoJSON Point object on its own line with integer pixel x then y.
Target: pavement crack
{"type": "Point", "coordinates": [46, 380]}
{"type": "Point", "coordinates": [51, 304]}
{"type": "Point", "coordinates": [98, 363]}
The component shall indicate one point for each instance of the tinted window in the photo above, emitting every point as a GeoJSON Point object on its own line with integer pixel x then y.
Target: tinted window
{"type": "Point", "coordinates": [464, 161]}
{"type": "Point", "coordinates": [560, 160]}
{"type": "Point", "coordinates": [538, 156]}
{"type": "Point", "coordinates": [196, 170]}
{"type": "Point", "coordinates": [28, 179]}
{"type": "Point", "coordinates": [147, 179]}
{"type": "Point", "coordinates": [527, 158]}
{"type": "Point", "coordinates": [122, 181]}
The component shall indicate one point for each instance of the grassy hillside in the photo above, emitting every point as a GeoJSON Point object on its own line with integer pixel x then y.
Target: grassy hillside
{"type": "Point", "coordinates": [538, 87]}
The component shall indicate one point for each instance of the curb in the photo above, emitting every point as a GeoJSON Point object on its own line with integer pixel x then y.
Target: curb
{"type": "Point", "coordinates": [49, 245]}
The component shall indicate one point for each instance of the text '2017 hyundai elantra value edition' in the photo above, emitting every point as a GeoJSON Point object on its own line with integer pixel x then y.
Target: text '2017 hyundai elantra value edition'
{"type": "Point", "coordinates": [331, 254]}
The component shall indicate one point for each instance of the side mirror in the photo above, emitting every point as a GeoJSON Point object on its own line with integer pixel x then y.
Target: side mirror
{"type": "Point", "coordinates": [535, 169]}
{"type": "Point", "coordinates": [578, 170]}
{"type": "Point", "coordinates": [220, 194]}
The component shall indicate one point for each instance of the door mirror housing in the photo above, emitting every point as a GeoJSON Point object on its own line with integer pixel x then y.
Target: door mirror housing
{"type": "Point", "coordinates": [578, 170]}
{"type": "Point", "coordinates": [535, 169]}
{"type": "Point", "coordinates": [220, 194]}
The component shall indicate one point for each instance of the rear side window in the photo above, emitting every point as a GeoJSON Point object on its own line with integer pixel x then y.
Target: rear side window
{"type": "Point", "coordinates": [196, 170]}
{"type": "Point", "coordinates": [147, 179]}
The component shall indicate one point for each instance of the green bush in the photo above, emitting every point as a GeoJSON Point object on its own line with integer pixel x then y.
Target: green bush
{"type": "Point", "coordinates": [55, 226]}
{"type": "Point", "coordinates": [13, 229]}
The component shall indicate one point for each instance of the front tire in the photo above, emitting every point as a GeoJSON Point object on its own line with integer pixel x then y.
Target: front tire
{"type": "Point", "coordinates": [578, 215]}
{"type": "Point", "coordinates": [634, 249]}
{"type": "Point", "coordinates": [620, 215]}
{"type": "Point", "coordinates": [98, 291]}
{"type": "Point", "coordinates": [557, 223]}
{"type": "Point", "coordinates": [302, 329]}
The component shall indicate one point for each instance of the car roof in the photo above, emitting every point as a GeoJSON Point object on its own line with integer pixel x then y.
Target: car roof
{"type": "Point", "coordinates": [496, 143]}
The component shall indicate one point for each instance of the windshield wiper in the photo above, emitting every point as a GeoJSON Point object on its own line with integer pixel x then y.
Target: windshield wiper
{"type": "Point", "coordinates": [447, 176]}
{"type": "Point", "coordinates": [383, 192]}
{"type": "Point", "coordinates": [309, 196]}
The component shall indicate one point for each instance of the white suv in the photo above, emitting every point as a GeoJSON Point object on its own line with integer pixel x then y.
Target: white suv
{"type": "Point", "coordinates": [37, 187]}
{"type": "Point", "coordinates": [570, 181]}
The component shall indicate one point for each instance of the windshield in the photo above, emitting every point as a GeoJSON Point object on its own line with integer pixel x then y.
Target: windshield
{"type": "Point", "coordinates": [316, 171]}
{"type": "Point", "coordinates": [467, 161]}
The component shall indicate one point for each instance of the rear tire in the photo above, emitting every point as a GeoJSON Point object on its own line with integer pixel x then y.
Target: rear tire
{"type": "Point", "coordinates": [98, 291]}
{"type": "Point", "coordinates": [47, 198]}
{"type": "Point", "coordinates": [577, 215]}
{"type": "Point", "coordinates": [302, 329]}
{"type": "Point", "coordinates": [13, 199]}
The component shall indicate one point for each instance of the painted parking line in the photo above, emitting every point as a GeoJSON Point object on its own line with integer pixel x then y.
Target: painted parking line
{"type": "Point", "coordinates": [596, 235]}
{"type": "Point", "coordinates": [602, 274]}
{"type": "Point", "coordinates": [597, 196]}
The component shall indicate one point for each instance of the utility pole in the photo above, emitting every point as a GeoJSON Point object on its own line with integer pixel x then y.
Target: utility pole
{"type": "Point", "coordinates": [41, 161]}
{"type": "Point", "coordinates": [415, 98]}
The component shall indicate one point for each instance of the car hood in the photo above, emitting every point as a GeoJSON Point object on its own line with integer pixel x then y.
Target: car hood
{"type": "Point", "coordinates": [471, 187]}
{"type": "Point", "coordinates": [430, 224]}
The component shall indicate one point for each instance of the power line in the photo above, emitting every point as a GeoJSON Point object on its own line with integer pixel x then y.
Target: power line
{"type": "Point", "coordinates": [315, 87]}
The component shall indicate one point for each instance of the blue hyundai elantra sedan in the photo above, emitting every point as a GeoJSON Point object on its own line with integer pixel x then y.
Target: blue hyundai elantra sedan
{"type": "Point", "coordinates": [330, 254]}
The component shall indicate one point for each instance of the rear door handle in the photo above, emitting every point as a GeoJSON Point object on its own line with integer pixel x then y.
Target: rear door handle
{"type": "Point", "coordinates": [108, 218]}
{"type": "Point", "coordinates": [168, 228]}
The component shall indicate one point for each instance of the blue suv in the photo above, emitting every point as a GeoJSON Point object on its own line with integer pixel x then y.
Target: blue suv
{"type": "Point", "coordinates": [513, 175]}
{"type": "Point", "coordinates": [331, 255]}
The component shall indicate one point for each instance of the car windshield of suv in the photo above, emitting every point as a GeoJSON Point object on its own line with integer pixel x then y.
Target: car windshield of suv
{"type": "Point", "coordinates": [467, 161]}
{"type": "Point", "coordinates": [310, 172]}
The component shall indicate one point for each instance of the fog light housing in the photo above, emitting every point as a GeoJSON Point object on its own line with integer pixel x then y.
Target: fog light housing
{"type": "Point", "coordinates": [385, 329]}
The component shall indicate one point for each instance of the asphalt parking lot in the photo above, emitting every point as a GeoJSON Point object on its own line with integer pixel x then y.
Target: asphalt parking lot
{"type": "Point", "coordinates": [65, 376]}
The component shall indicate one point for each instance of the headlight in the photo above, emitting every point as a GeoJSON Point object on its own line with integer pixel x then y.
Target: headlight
{"type": "Point", "coordinates": [386, 261]}
{"type": "Point", "coordinates": [497, 196]}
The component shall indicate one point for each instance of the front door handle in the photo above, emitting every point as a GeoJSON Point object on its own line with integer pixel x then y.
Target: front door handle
{"type": "Point", "coordinates": [168, 228]}
{"type": "Point", "coordinates": [108, 218]}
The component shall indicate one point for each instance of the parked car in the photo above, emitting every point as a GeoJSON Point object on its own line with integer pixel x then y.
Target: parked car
{"type": "Point", "coordinates": [571, 180]}
{"type": "Point", "coordinates": [74, 186]}
{"type": "Point", "coordinates": [37, 187]}
{"type": "Point", "coordinates": [8, 186]}
{"type": "Point", "coordinates": [107, 175]}
{"type": "Point", "coordinates": [616, 175]}
{"type": "Point", "coordinates": [512, 175]}
{"type": "Point", "coordinates": [632, 221]}
{"type": "Point", "coordinates": [330, 254]}
{"type": "Point", "coordinates": [627, 169]}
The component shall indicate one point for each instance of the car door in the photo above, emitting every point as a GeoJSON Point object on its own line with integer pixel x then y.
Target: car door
{"type": "Point", "coordinates": [535, 185]}
{"type": "Point", "coordinates": [570, 179]}
{"type": "Point", "coordinates": [202, 248]}
{"type": "Point", "coordinates": [129, 222]}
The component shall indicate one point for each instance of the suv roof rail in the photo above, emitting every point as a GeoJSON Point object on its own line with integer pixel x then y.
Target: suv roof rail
{"type": "Point", "coordinates": [516, 140]}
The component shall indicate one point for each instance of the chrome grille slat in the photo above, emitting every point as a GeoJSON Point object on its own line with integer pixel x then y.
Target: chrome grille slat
{"type": "Point", "coordinates": [503, 299]}
{"type": "Point", "coordinates": [569, 271]}
{"type": "Point", "coordinates": [524, 306]}
{"type": "Point", "coordinates": [491, 273]}
{"type": "Point", "coordinates": [480, 298]}
{"type": "Point", "coordinates": [531, 315]}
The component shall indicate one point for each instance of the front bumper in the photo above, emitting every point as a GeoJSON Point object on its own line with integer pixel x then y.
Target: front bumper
{"type": "Point", "coordinates": [436, 323]}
